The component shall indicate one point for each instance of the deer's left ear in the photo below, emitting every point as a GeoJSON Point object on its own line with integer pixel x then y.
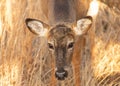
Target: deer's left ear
{"type": "Point", "coordinates": [83, 25]}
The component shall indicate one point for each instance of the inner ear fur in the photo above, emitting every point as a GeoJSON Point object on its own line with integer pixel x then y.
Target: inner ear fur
{"type": "Point", "coordinates": [81, 26]}
{"type": "Point", "coordinates": [36, 26]}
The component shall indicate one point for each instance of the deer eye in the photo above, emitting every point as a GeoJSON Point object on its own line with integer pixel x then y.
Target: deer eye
{"type": "Point", "coordinates": [70, 45]}
{"type": "Point", "coordinates": [50, 46]}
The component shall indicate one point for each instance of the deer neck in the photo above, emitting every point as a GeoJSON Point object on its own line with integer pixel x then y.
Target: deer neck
{"type": "Point", "coordinates": [61, 11]}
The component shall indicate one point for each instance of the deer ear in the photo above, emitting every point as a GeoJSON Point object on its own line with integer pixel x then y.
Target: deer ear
{"type": "Point", "coordinates": [83, 25]}
{"type": "Point", "coordinates": [37, 27]}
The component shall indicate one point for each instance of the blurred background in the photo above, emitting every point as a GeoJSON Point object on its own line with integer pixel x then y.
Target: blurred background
{"type": "Point", "coordinates": [24, 57]}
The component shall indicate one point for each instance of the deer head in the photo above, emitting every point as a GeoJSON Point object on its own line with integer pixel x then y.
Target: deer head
{"type": "Point", "coordinates": [60, 39]}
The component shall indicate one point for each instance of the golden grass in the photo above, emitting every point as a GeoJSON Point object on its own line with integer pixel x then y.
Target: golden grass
{"type": "Point", "coordinates": [24, 58]}
{"type": "Point", "coordinates": [106, 50]}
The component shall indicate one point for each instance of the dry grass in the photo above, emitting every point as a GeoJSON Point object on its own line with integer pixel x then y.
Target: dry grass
{"type": "Point", "coordinates": [106, 48]}
{"type": "Point", "coordinates": [114, 4]}
{"type": "Point", "coordinates": [24, 58]}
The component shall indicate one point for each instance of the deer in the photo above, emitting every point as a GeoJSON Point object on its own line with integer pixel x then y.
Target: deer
{"type": "Point", "coordinates": [61, 32]}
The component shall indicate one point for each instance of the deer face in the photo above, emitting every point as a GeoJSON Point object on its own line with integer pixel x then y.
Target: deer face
{"type": "Point", "coordinates": [61, 44]}
{"type": "Point", "coordinates": [61, 39]}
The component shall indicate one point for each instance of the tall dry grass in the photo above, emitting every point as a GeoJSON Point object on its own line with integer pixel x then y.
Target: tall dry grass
{"type": "Point", "coordinates": [25, 60]}
{"type": "Point", "coordinates": [106, 46]}
{"type": "Point", "coordinates": [16, 42]}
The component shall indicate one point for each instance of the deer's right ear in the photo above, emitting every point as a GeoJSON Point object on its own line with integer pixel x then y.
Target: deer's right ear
{"type": "Point", "coordinates": [37, 27]}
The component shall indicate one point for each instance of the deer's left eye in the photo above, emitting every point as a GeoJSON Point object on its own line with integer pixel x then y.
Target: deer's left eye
{"type": "Point", "coordinates": [70, 45]}
{"type": "Point", "coordinates": [50, 46]}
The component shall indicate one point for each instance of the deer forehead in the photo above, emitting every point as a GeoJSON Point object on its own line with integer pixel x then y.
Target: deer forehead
{"type": "Point", "coordinates": [61, 35]}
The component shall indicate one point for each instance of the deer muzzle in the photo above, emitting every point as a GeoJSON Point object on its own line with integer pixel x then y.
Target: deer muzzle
{"type": "Point", "coordinates": [61, 74]}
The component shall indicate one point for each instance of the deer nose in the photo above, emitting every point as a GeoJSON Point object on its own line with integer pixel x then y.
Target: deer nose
{"type": "Point", "coordinates": [61, 74]}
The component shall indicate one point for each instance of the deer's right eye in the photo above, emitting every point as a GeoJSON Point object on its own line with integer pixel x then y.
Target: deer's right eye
{"type": "Point", "coordinates": [50, 46]}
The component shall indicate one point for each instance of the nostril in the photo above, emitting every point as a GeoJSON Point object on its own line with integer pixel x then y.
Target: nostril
{"type": "Point", "coordinates": [61, 75]}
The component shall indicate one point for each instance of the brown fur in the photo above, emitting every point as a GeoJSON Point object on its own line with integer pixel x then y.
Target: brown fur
{"type": "Point", "coordinates": [61, 35]}
{"type": "Point", "coordinates": [78, 10]}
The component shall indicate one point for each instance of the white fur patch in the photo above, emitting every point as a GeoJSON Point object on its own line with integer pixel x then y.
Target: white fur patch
{"type": "Point", "coordinates": [82, 26]}
{"type": "Point", "coordinates": [37, 27]}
